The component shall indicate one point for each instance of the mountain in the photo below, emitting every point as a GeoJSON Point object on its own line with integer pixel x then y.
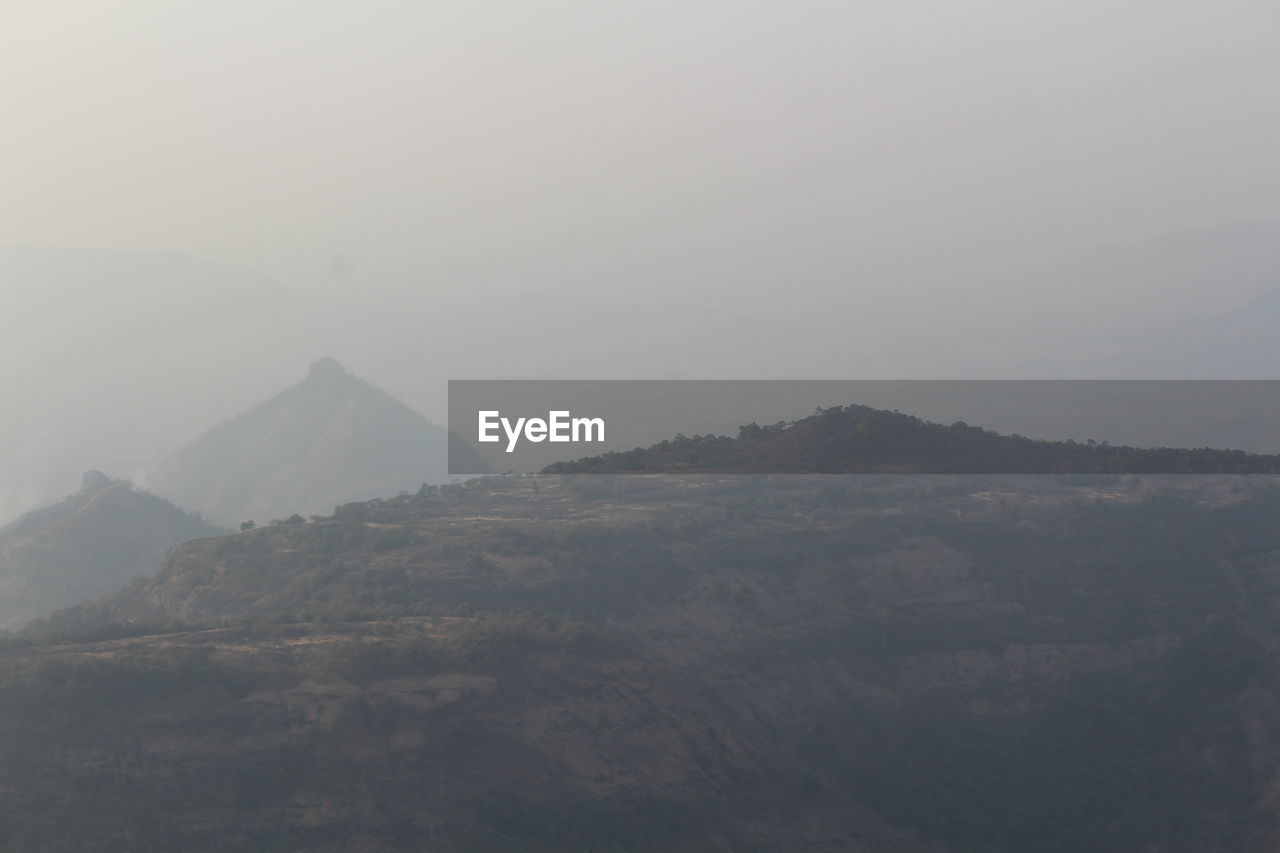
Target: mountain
{"type": "Point", "coordinates": [105, 359]}
{"type": "Point", "coordinates": [85, 546]}
{"type": "Point", "coordinates": [331, 439]}
{"type": "Point", "coordinates": [862, 440]}
{"type": "Point", "coordinates": [677, 663]}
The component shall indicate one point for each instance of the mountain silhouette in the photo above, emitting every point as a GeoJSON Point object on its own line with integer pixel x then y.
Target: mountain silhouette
{"type": "Point", "coordinates": [331, 439]}
{"type": "Point", "coordinates": [863, 440]}
{"type": "Point", "coordinates": [87, 545]}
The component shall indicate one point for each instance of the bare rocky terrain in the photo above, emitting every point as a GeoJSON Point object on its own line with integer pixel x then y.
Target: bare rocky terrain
{"type": "Point", "coordinates": [730, 663]}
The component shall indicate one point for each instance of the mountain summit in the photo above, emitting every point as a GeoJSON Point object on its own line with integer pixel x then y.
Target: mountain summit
{"type": "Point", "coordinates": [331, 439]}
{"type": "Point", "coordinates": [327, 370]}
{"type": "Point", "coordinates": [87, 545]}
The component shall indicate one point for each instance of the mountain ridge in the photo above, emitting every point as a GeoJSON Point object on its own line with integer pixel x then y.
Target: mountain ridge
{"type": "Point", "coordinates": [681, 663]}
{"type": "Point", "coordinates": [858, 439]}
{"type": "Point", "coordinates": [86, 545]}
{"type": "Point", "coordinates": [330, 439]}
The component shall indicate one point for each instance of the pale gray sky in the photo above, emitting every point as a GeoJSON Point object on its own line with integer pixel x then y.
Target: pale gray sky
{"type": "Point", "coordinates": [504, 141]}
{"type": "Point", "coordinates": [702, 188]}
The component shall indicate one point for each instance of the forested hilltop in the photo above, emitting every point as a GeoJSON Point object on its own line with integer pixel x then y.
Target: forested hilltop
{"type": "Point", "coordinates": [863, 440]}
{"type": "Point", "coordinates": [785, 663]}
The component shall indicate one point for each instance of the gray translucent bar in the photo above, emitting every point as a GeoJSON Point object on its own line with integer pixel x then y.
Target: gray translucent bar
{"type": "Point", "coordinates": [1226, 414]}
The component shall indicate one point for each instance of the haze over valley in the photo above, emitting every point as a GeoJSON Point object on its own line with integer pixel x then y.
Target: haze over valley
{"type": "Point", "coordinates": [244, 246]}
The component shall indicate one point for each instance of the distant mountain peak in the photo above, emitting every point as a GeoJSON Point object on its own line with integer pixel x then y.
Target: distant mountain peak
{"type": "Point", "coordinates": [329, 440]}
{"type": "Point", "coordinates": [92, 481]}
{"type": "Point", "coordinates": [326, 370]}
{"type": "Point", "coordinates": [87, 545]}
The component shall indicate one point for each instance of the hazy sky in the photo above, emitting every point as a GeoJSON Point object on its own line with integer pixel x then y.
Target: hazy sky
{"type": "Point", "coordinates": [550, 142]}
{"type": "Point", "coordinates": [426, 189]}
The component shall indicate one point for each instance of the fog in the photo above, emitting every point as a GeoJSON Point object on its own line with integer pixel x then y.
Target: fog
{"type": "Point", "coordinates": [196, 200]}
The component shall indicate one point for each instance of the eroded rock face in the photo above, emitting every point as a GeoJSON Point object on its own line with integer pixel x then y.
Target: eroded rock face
{"type": "Point", "coordinates": [916, 664]}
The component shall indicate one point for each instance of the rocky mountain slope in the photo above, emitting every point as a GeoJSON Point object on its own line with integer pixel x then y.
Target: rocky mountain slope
{"type": "Point", "coordinates": [677, 664]}
{"type": "Point", "coordinates": [331, 439]}
{"type": "Point", "coordinates": [87, 545]}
